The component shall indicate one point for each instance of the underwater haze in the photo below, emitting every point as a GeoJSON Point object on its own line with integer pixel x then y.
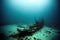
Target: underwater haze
{"type": "Point", "coordinates": [30, 20]}
{"type": "Point", "coordinates": [24, 11]}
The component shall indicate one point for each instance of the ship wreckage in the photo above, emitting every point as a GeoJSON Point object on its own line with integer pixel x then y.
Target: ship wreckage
{"type": "Point", "coordinates": [36, 31]}
{"type": "Point", "coordinates": [28, 32]}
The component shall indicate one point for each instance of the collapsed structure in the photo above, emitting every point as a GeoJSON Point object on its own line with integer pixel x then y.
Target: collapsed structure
{"type": "Point", "coordinates": [32, 29]}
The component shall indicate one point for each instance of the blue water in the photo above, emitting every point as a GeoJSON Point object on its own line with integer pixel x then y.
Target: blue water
{"type": "Point", "coordinates": [24, 12]}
